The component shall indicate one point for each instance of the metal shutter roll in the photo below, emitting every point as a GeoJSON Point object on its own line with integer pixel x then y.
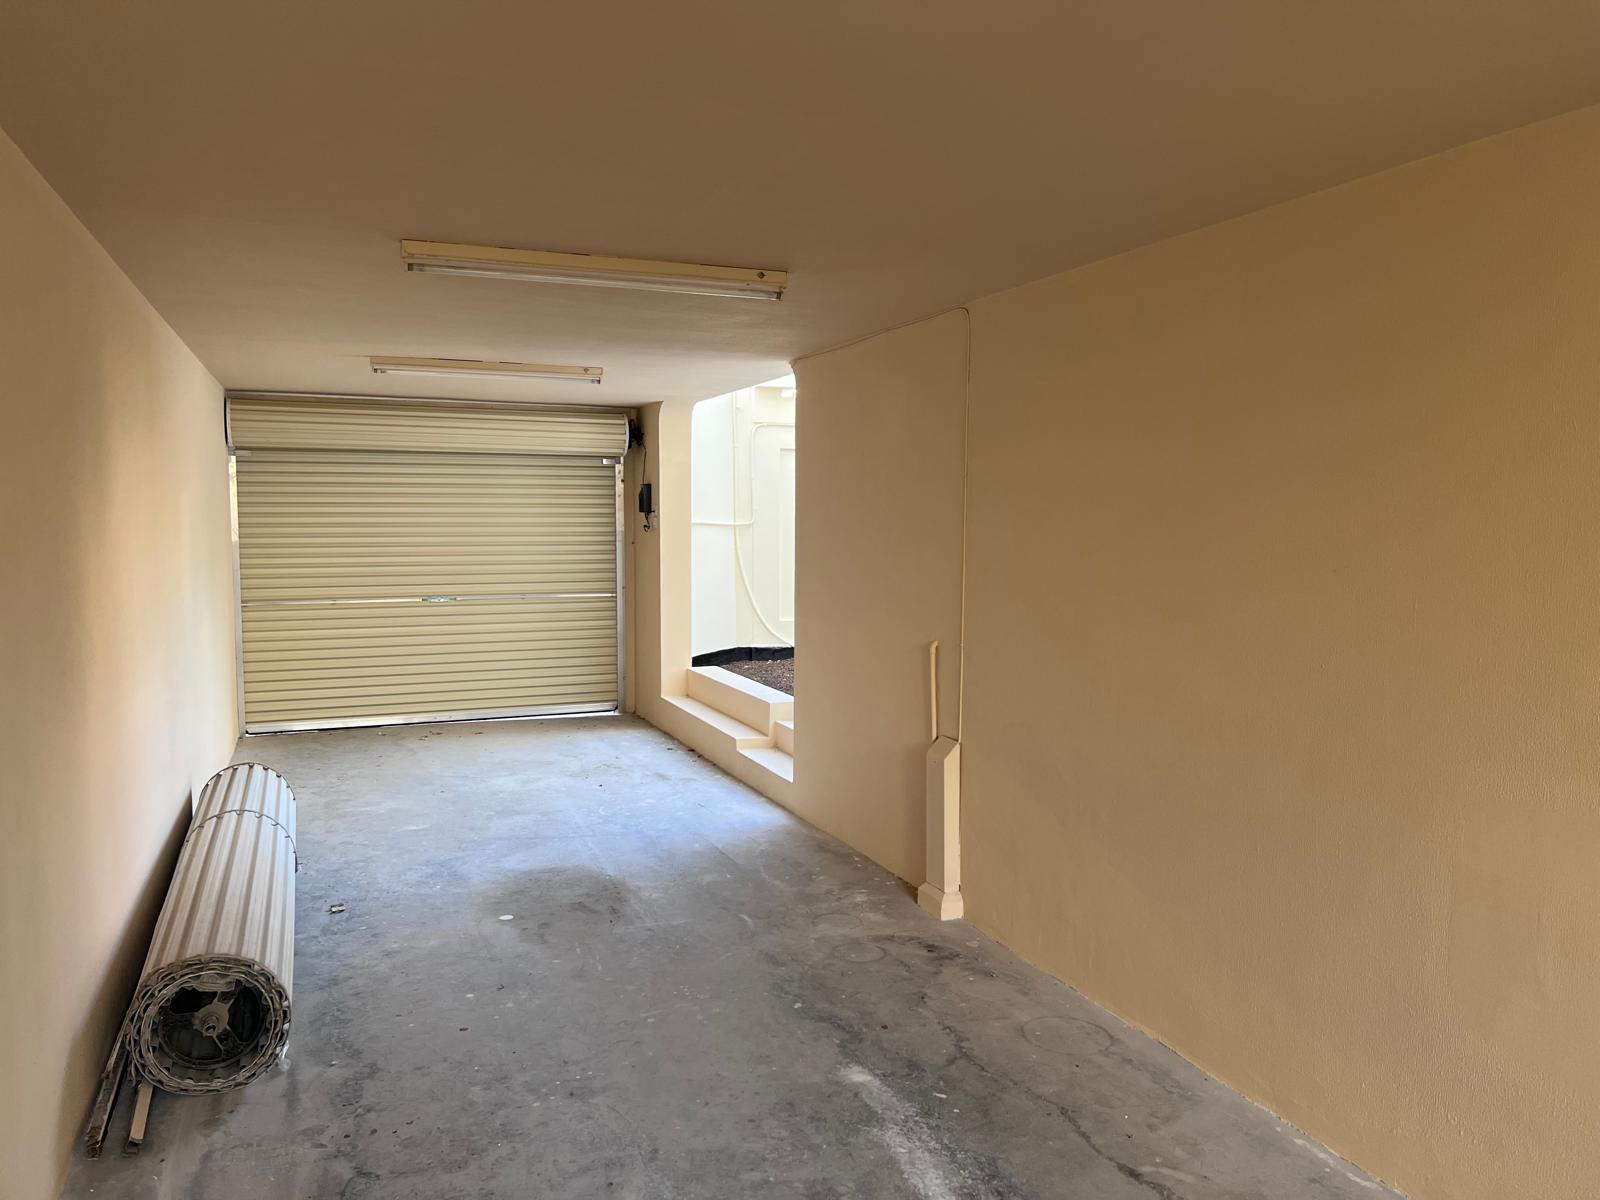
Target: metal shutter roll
{"type": "Point", "coordinates": [382, 585]}
{"type": "Point", "coordinates": [337, 423]}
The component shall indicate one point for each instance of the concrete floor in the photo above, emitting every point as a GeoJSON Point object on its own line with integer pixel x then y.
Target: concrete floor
{"type": "Point", "coordinates": [697, 996]}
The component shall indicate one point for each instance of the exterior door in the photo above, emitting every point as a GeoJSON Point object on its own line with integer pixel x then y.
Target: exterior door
{"type": "Point", "coordinates": [381, 585]}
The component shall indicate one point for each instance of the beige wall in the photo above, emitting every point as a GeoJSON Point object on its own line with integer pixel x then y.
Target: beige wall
{"type": "Point", "coordinates": [661, 556]}
{"type": "Point", "coordinates": [116, 652]}
{"type": "Point", "coordinates": [877, 577]}
{"type": "Point", "coordinates": [1283, 648]}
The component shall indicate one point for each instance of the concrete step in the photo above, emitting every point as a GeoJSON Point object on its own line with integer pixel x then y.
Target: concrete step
{"type": "Point", "coordinates": [720, 728]}
{"type": "Point", "coordinates": [754, 704]}
{"type": "Point", "coordinates": [783, 736]}
{"type": "Point", "coordinates": [770, 758]}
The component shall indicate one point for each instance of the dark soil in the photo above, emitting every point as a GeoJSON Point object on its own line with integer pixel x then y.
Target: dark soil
{"type": "Point", "coordinates": [774, 672]}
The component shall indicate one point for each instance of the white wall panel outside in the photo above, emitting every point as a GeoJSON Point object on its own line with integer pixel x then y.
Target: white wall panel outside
{"type": "Point", "coordinates": [388, 585]}
{"type": "Point", "coordinates": [742, 553]}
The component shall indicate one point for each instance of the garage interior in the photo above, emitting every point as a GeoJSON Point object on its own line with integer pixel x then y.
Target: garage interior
{"type": "Point", "coordinates": [1195, 551]}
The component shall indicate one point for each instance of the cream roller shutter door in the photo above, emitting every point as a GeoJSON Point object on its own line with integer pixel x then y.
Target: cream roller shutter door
{"type": "Point", "coordinates": [383, 585]}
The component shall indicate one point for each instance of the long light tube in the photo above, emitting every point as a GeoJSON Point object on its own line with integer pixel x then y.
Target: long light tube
{"type": "Point", "coordinates": [478, 369]}
{"type": "Point", "coordinates": [593, 270]}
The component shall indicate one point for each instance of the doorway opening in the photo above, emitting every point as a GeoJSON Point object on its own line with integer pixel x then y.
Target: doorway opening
{"type": "Point", "coordinates": [742, 548]}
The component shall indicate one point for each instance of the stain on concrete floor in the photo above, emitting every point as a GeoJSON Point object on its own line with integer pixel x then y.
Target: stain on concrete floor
{"type": "Point", "coordinates": [697, 996]}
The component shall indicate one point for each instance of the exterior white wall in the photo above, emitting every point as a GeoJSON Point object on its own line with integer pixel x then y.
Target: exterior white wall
{"type": "Point", "coordinates": [742, 547]}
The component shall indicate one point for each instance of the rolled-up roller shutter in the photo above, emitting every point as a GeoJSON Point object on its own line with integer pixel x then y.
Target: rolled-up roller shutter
{"type": "Point", "coordinates": [381, 583]}
{"type": "Point", "coordinates": [212, 1008]}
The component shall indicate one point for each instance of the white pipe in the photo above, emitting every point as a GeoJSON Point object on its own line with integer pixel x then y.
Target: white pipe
{"type": "Point", "coordinates": [966, 474]}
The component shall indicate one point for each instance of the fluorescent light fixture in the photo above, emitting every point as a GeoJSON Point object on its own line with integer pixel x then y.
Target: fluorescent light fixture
{"type": "Point", "coordinates": [474, 368]}
{"type": "Point", "coordinates": [594, 270]}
